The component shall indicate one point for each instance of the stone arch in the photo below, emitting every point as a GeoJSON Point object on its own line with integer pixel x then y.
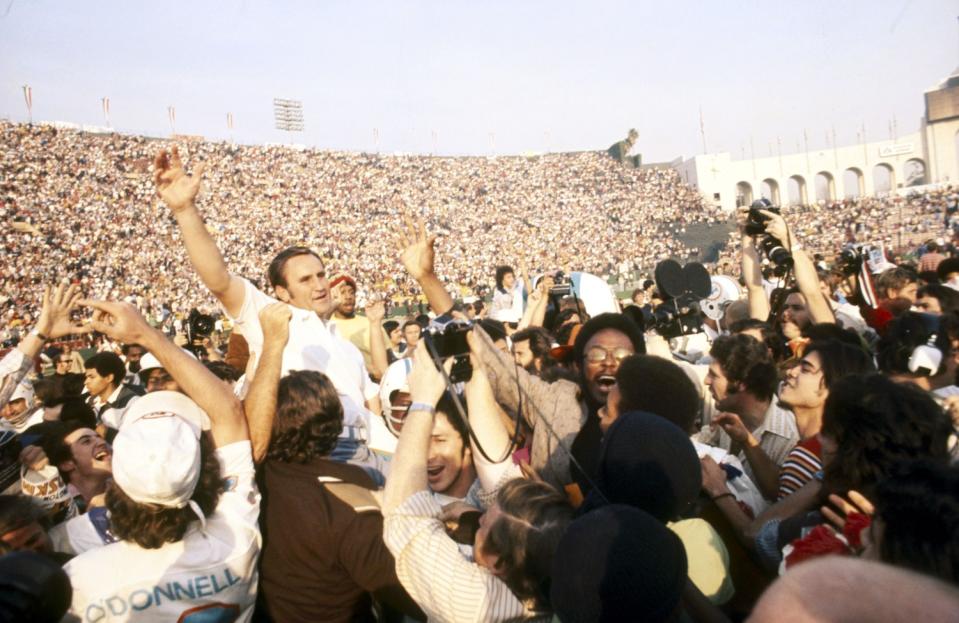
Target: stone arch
{"type": "Point", "coordinates": [744, 194]}
{"type": "Point", "coordinates": [853, 182]}
{"type": "Point", "coordinates": [770, 190]}
{"type": "Point", "coordinates": [825, 186]}
{"type": "Point", "coordinates": [883, 178]}
{"type": "Point", "coordinates": [796, 190]}
{"type": "Point", "coordinates": [914, 172]}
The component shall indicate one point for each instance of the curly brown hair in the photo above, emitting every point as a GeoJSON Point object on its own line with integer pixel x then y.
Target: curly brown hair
{"type": "Point", "coordinates": [151, 526]}
{"type": "Point", "coordinates": [534, 517]}
{"type": "Point", "coordinates": [309, 418]}
{"type": "Point", "coordinates": [746, 360]}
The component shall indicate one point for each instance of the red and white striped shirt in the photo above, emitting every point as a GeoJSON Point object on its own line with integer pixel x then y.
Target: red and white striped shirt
{"type": "Point", "coordinates": [800, 466]}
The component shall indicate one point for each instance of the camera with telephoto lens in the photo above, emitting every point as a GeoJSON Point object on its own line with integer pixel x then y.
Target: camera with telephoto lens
{"type": "Point", "coordinates": [756, 221]}
{"type": "Point", "coordinates": [781, 259]}
{"type": "Point", "coordinates": [778, 255]}
{"type": "Point", "coordinates": [198, 328]}
{"type": "Point", "coordinates": [444, 338]}
{"type": "Point", "coordinates": [850, 259]}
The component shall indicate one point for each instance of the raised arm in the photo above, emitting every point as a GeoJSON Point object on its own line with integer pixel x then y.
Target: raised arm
{"type": "Point", "coordinates": [260, 403]}
{"type": "Point", "coordinates": [408, 467]}
{"type": "Point", "coordinates": [806, 278]}
{"type": "Point", "coordinates": [753, 276]}
{"type": "Point", "coordinates": [486, 421]}
{"type": "Point", "coordinates": [538, 302]}
{"type": "Point", "coordinates": [511, 383]}
{"type": "Point", "coordinates": [122, 322]}
{"type": "Point", "coordinates": [178, 191]}
{"type": "Point", "coordinates": [378, 360]}
{"type": "Point", "coordinates": [417, 255]}
{"type": "Point", "coordinates": [54, 322]}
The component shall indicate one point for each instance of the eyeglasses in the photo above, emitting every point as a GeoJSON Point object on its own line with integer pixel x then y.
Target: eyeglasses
{"type": "Point", "coordinates": [598, 354]}
{"type": "Point", "coordinates": [157, 379]}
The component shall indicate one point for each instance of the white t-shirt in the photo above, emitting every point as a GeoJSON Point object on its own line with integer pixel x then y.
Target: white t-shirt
{"type": "Point", "coordinates": [313, 345]}
{"type": "Point", "coordinates": [210, 575]}
{"type": "Point", "coordinates": [507, 306]}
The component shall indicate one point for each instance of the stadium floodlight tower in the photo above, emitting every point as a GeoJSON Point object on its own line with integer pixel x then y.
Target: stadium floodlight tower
{"type": "Point", "coordinates": [288, 115]}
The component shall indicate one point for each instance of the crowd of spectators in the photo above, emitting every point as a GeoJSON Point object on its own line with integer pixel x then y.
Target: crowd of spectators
{"type": "Point", "coordinates": [88, 210]}
{"type": "Point", "coordinates": [784, 451]}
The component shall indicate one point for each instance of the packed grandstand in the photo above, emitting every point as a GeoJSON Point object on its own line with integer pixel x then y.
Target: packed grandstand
{"type": "Point", "coordinates": [81, 206]}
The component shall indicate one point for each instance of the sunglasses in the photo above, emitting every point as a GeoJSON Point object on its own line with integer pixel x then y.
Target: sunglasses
{"type": "Point", "coordinates": [598, 354]}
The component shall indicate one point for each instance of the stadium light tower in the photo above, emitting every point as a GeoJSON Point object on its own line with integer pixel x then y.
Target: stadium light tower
{"type": "Point", "coordinates": [288, 114]}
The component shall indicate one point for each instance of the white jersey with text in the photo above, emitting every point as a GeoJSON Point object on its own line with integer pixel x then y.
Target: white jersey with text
{"type": "Point", "coordinates": [209, 576]}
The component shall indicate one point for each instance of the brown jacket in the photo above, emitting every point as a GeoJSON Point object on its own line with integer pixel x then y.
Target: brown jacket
{"type": "Point", "coordinates": [323, 553]}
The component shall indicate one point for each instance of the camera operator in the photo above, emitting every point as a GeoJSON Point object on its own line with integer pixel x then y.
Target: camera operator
{"type": "Point", "coordinates": [515, 543]}
{"type": "Point", "coordinates": [807, 304]}
{"type": "Point", "coordinates": [573, 408]}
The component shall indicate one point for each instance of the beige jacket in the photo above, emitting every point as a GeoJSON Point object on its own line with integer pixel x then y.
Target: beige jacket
{"type": "Point", "coordinates": [545, 406]}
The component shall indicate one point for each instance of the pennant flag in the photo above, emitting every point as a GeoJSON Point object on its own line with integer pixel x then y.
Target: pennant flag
{"type": "Point", "coordinates": [28, 98]}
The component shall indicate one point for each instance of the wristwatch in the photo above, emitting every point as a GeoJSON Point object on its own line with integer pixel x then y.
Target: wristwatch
{"type": "Point", "coordinates": [422, 406]}
{"type": "Point", "coordinates": [37, 333]}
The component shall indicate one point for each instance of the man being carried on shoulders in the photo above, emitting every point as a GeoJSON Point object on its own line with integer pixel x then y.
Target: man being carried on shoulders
{"type": "Point", "coordinates": [299, 279]}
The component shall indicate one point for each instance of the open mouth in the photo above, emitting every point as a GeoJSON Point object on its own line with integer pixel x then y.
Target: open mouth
{"type": "Point", "coordinates": [102, 455]}
{"type": "Point", "coordinates": [433, 472]}
{"type": "Point", "coordinates": [606, 382]}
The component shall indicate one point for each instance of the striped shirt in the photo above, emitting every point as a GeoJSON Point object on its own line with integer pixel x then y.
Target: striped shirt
{"type": "Point", "coordinates": [444, 583]}
{"type": "Point", "coordinates": [800, 466]}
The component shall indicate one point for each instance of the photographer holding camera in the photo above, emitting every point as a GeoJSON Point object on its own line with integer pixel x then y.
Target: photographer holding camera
{"type": "Point", "coordinates": [571, 407]}
{"type": "Point", "coordinates": [766, 230]}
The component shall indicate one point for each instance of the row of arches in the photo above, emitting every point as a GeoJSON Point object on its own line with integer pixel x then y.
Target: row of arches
{"type": "Point", "coordinates": [854, 184]}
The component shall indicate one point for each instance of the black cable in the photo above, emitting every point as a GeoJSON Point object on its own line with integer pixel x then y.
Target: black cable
{"type": "Point", "coordinates": [559, 441]}
{"type": "Point", "coordinates": [516, 419]}
{"type": "Point", "coordinates": [438, 362]}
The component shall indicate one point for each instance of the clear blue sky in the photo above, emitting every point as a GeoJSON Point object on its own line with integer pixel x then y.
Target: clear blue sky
{"type": "Point", "coordinates": [541, 76]}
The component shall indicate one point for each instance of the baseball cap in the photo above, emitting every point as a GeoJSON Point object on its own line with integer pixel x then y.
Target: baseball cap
{"type": "Point", "coordinates": [149, 361]}
{"type": "Point", "coordinates": [156, 453]}
{"type": "Point", "coordinates": [342, 278]}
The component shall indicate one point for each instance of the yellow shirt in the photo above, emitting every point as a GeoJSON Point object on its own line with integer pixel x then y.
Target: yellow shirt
{"type": "Point", "coordinates": [357, 331]}
{"type": "Point", "coordinates": [708, 558]}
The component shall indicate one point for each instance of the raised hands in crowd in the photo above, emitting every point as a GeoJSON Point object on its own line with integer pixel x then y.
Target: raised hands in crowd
{"type": "Point", "coordinates": [432, 463]}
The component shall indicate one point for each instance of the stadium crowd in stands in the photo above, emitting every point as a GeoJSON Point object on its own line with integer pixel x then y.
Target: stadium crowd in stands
{"type": "Point", "coordinates": [784, 451]}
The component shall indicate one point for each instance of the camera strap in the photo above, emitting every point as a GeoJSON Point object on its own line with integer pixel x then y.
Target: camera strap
{"type": "Point", "coordinates": [462, 412]}
{"type": "Point", "coordinates": [540, 417]}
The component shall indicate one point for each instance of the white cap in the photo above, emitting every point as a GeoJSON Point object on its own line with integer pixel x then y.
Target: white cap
{"type": "Point", "coordinates": [156, 453]}
{"type": "Point", "coordinates": [149, 361]}
{"type": "Point", "coordinates": [24, 390]}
